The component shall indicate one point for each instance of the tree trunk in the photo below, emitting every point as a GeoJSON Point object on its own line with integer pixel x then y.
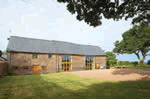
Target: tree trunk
{"type": "Point", "coordinates": [141, 60]}
{"type": "Point", "coordinates": [138, 56]}
{"type": "Point", "coordinates": [143, 54]}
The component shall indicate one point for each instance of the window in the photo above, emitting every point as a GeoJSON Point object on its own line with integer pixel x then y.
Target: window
{"type": "Point", "coordinates": [35, 56]}
{"type": "Point", "coordinates": [66, 63]}
{"type": "Point", "coordinates": [66, 58]}
{"type": "Point", "coordinates": [49, 56]}
{"type": "Point", "coordinates": [89, 58]}
{"type": "Point", "coordinates": [44, 68]}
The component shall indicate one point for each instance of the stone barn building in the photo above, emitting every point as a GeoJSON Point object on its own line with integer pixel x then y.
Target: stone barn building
{"type": "Point", "coordinates": [37, 56]}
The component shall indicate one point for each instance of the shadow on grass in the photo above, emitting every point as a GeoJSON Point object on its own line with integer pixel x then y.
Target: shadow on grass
{"type": "Point", "coordinates": [40, 87]}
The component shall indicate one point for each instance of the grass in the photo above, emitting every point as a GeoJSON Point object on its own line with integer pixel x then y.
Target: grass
{"type": "Point", "coordinates": [67, 86]}
{"type": "Point", "coordinates": [145, 67]}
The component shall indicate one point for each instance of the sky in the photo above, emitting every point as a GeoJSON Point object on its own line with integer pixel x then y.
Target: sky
{"type": "Point", "coordinates": [50, 20]}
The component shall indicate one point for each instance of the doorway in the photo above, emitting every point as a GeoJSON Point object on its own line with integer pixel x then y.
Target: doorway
{"type": "Point", "coordinates": [66, 63]}
{"type": "Point", "coordinates": [89, 62]}
{"type": "Point", "coordinates": [36, 69]}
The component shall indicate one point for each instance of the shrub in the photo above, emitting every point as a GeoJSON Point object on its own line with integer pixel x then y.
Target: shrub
{"type": "Point", "coordinates": [126, 63]}
{"type": "Point", "coordinates": [85, 68]}
{"type": "Point", "coordinates": [134, 63]}
{"type": "Point", "coordinates": [111, 58]}
{"type": "Point", "coordinates": [10, 73]}
{"type": "Point", "coordinates": [122, 63]}
{"type": "Point", "coordinates": [107, 67]}
{"type": "Point", "coordinates": [148, 62]}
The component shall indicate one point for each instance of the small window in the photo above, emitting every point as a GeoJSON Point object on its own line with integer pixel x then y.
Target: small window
{"type": "Point", "coordinates": [66, 58]}
{"type": "Point", "coordinates": [49, 56]}
{"type": "Point", "coordinates": [34, 55]}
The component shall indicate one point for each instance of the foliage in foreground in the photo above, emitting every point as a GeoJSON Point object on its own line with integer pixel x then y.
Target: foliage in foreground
{"type": "Point", "coordinates": [66, 86]}
{"type": "Point", "coordinates": [92, 11]}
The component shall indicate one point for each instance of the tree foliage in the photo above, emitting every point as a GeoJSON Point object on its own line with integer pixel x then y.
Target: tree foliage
{"type": "Point", "coordinates": [1, 53]}
{"type": "Point", "coordinates": [4, 52]}
{"type": "Point", "coordinates": [111, 58]}
{"type": "Point", "coordinates": [148, 62]}
{"type": "Point", "coordinates": [136, 40]}
{"type": "Point", "coordinates": [91, 11]}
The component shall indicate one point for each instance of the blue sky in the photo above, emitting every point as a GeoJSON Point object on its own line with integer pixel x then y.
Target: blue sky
{"type": "Point", "coordinates": [50, 20]}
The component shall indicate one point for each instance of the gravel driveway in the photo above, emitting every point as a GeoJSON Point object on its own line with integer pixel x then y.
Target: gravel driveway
{"type": "Point", "coordinates": [115, 74]}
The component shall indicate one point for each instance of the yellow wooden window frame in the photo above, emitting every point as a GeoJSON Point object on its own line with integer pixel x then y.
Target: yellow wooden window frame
{"type": "Point", "coordinates": [66, 64]}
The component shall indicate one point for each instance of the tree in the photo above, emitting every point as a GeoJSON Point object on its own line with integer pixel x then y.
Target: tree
{"type": "Point", "coordinates": [1, 53]}
{"type": "Point", "coordinates": [4, 52]}
{"type": "Point", "coordinates": [136, 40]}
{"type": "Point", "coordinates": [111, 58]}
{"type": "Point", "coordinates": [91, 11]}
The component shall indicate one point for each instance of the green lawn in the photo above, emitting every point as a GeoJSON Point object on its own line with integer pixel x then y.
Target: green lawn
{"type": "Point", "coordinates": [134, 67]}
{"type": "Point", "coordinates": [67, 86]}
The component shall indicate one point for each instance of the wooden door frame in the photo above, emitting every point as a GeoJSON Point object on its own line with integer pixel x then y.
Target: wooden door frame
{"type": "Point", "coordinates": [65, 65]}
{"type": "Point", "coordinates": [39, 68]}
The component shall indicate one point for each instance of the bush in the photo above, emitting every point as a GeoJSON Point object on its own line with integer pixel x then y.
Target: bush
{"type": "Point", "coordinates": [121, 63]}
{"type": "Point", "coordinates": [127, 63]}
{"type": "Point", "coordinates": [10, 73]}
{"type": "Point", "coordinates": [1, 53]}
{"type": "Point", "coordinates": [148, 62]}
{"type": "Point", "coordinates": [111, 58]}
{"type": "Point", "coordinates": [134, 63]}
{"type": "Point", "coordinates": [107, 67]}
{"type": "Point", "coordinates": [85, 68]}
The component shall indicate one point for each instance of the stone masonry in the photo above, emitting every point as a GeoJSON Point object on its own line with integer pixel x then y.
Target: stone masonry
{"type": "Point", "coordinates": [18, 62]}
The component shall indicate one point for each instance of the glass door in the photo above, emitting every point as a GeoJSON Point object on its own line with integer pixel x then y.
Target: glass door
{"type": "Point", "coordinates": [66, 63]}
{"type": "Point", "coordinates": [89, 61]}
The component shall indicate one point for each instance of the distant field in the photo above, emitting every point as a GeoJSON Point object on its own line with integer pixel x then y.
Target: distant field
{"type": "Point", "coordinates": [68, 86]}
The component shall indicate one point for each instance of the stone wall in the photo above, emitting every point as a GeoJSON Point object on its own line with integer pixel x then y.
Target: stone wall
{"type": "Point", "coordinates": [78, 62]}
{"type": "Point", "coordinates": [100, 60]}
{"type": "Point", "coordinates": [3, 68]}
{"type": "Point", "coordinates": [59, 64]}
{"type": "Point", "coordinates": [18, 62]}
{"type": "Point", "coordinates": [44, 60]}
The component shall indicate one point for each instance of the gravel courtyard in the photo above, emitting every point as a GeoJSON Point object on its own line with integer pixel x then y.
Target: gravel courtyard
{"type": "Point", "coordinates": [115, 74]}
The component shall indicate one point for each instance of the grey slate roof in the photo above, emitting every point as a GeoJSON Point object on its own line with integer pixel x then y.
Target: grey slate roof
{"type": "Point", "coordinates": [22, 44]}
